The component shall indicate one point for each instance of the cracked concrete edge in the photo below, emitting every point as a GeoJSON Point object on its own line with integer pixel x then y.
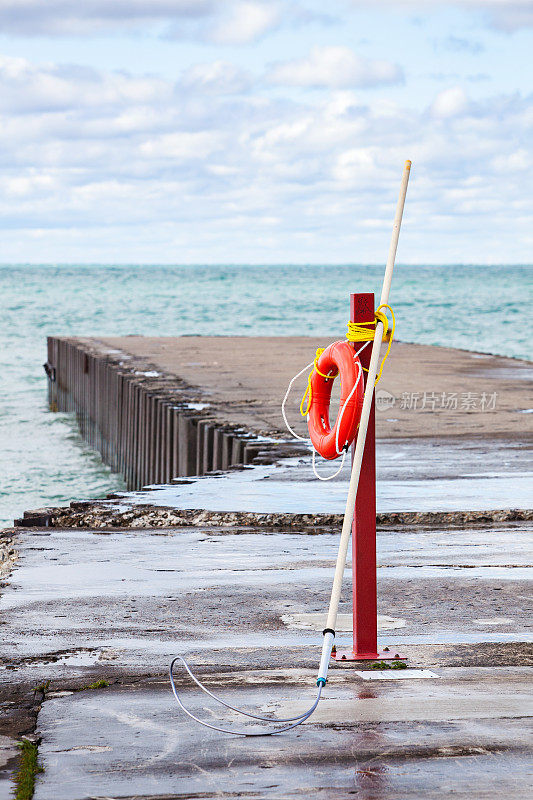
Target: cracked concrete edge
{"type": "Point", "coordinates": [8, 554]}
{"type": "Point", "coordinates": [98, 514]}
{"type": "Point", "coordinates": [256, 663]}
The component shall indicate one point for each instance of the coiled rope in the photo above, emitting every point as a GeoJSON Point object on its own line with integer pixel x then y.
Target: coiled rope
{"type": "Point", "coordinates": [357, 332]}
{"type": "Point", "coordinates": [364, 332]}
{"type": "Point", "coordinates": [305, 438]}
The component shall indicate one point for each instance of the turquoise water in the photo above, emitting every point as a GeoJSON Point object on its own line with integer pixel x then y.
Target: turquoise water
{"type": "Point", "coordinates": [44, 461]}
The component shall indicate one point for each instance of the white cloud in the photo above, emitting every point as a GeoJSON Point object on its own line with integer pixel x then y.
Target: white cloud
{"type": "Point", "coordinates": [245, 22]}
{"type": "Point", "coordinates": [459, 44]}
{"type": "Point", "coordinates": [334, 67]}
{"type": "Point", "coordinates": [221, 21]}
{"type": "Point", "coordinates": [511, 16]}
{"type": "Point", "coordinates": [506, 15]}
{"type": "Point", "coordinates": [101, 165]}
{"type": "Point", "coordinates": [450, 103]}
{"type": "Point", "coordinates": [30, 184]}
{"type": "Point", "coordinates": [217, 77]}
{"type": "Point", "coordinates": [518, 160]}
{"type": "Point", "coordinates": [182, 146]}
{"type": "Point", "coordinates": [72, 17]}
{"type": "Point", "coordinates": [27, 87]}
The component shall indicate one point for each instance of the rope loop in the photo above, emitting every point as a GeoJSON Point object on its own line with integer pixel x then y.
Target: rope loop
{"type": "Point", "coordinates": [312, 364]}
{"type": "Point", "coordinates": [357, 332]}
{"type": "Point", "coordinates": [365, 331]}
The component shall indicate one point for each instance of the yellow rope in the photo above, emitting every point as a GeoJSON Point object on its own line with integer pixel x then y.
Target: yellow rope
{"type": "Point", "coordinates": [309, 392]}
{"type": "Point", "coordinates": [357, 332]}
{"type": "Point", "coordinates": [364, 332]}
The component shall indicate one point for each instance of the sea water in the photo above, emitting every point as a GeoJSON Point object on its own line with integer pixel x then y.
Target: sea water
{"type": "Point", "coordinates": [42, 457]}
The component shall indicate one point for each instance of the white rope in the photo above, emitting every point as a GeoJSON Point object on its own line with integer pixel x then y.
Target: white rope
{"type": "Point", "coordinates": [294, 720]}
{"type": "Point", "coordinates": [289, 387]}
{"type": "Point", "coordinates": [328, 477]}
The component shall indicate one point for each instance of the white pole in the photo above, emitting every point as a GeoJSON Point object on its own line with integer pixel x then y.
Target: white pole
{"type": "Point", "coordinates": [361, 437]}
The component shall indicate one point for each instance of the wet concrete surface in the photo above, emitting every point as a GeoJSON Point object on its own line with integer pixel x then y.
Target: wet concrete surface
{"type": "Point", "coordinates": [8, 758]}
{"type": "Point", "coordinates": [404, 740]}
{"type": "Point", "coordinates": [246, 607]}
{"type": "Point", "coordinates": [412, 475]}
{"type": "Point", "coordinates": [83, 606]}
{"type": "Point", "coordinates": [144, 591]}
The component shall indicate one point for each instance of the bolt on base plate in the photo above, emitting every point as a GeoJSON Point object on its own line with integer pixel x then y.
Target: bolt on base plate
{"type": "Point", "coordinates": [381, 655]}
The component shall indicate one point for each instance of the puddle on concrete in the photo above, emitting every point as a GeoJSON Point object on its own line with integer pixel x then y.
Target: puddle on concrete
{"type": "Point", "coordinates": [510, 572]}
{"type": "Point", "coordinates": [197, 406]}
{"type": "Point", "coordinates": [443, 700]}
{"type": "Point", "coordinates": [80, 658]}
{"type": "Point", "coordinates": [9, 754]}
{"type": "Point", "coordinates": [443, 636]}
{"type": "Point", "coordinates": [317, 621]}
{"type": "Point", "coordinates": [83, 565]}
{"type": "Point", "coordinates": [395, 674]}
{"type": "Point", "coordinates": [164, 647]}
{"type": "Point", "coordinates": [412, 475]}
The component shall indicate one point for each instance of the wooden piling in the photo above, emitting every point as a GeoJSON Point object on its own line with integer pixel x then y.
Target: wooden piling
{"type": "Point", "coordinates": [142, 427]}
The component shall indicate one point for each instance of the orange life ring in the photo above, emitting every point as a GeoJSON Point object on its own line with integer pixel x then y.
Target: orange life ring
{"type": "Point", "coordinates": [337, 359]}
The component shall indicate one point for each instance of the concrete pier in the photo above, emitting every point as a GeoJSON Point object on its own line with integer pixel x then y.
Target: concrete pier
{"type": "Point", "coordinates": [169, 407]}
{"type": "Point", "coordinates": [102, 594]}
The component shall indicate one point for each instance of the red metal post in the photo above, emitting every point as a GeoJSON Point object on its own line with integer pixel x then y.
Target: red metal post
{"type": "Point", "coordinates": [365, 625]}
{"type": "Point", "coordinates": [364, 578]}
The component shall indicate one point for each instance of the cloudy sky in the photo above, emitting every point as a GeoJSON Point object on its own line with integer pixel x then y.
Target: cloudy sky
{"type": "Point", "coordinates": [265, 131]}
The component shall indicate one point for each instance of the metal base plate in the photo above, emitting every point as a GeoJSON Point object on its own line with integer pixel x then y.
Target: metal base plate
{"type": "Point", "coordinates": [381, 655]}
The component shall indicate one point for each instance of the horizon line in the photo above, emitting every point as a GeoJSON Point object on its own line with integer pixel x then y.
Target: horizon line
{"type": "Point", "coordinates": [258, 264]}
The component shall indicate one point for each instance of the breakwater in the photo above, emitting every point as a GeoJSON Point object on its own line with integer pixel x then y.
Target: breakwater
{"type": "Point", "coordinates": [149, 427]}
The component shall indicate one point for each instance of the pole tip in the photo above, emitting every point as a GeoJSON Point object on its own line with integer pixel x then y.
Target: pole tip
{"type": "Point", "coordinates": [407, 164]}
